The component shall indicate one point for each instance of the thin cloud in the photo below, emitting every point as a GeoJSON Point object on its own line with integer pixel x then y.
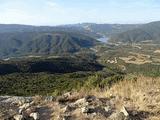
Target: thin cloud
{"type": "Point", "coordinates": [51, 3]}
{"type": "Point", "coordinates": [53, 12]}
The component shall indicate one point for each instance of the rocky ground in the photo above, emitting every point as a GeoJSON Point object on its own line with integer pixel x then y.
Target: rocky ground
{"type": "Point", "coordinates": [137, 99]}
{"type": "Point", "coordinates": [66, 107]}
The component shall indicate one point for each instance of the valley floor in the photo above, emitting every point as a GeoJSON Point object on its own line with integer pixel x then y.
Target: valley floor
{"type": "Point", "coordinates": [135, 98]}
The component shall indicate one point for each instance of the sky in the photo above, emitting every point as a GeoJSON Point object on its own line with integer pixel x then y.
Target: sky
{"type": "Point", "coordinates": [57, 12]}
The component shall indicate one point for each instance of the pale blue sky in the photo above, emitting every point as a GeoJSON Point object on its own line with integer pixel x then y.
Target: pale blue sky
{"type": "Point", "coordinates": [56, 12]}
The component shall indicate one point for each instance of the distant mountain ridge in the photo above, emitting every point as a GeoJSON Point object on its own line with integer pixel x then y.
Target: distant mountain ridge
{"type": "Point", "coordinates": [108, 29]}
{"type": "Point", "coordinates": [146, 32]}
{"type": "Point", "coordinates": [43, 43]}
{"type": "Point", "coordinates": [16, 40]}
{"type": "Point", "coordinates": [83, 27]}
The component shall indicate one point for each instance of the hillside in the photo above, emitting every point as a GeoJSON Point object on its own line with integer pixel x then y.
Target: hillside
{"type": "Point", "coordinates": [150, 31]}
{"type": "Point", "coordinates": [42, 43]}
{"type": "Point", "coordinates": [91, 29]}
{"type": "Point", "coordinates": [108, 29]}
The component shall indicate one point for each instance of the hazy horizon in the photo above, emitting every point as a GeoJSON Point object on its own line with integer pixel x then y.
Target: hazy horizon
{"type": "Point", "coordinates": [72, 24]}
{"type": "Point", "coordinates": [58, 12]}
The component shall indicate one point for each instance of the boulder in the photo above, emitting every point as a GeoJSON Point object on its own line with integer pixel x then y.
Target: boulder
{"type": "Point", "coordinates": [35, 116]}
{"type": "Point", "coordinates": [124, 111]}
{"type": "Point", "coordinates": [21, 110]}
{"type": "Point", "coordinates": [18, 117]}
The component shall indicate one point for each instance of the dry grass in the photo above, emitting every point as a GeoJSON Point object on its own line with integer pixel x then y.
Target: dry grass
{"type": "Point", "coordinates": [136, 58]}
{"type": "Point", "coordinates": [142, 94]}
{"type": "Point", "coordinates": [134, 92]}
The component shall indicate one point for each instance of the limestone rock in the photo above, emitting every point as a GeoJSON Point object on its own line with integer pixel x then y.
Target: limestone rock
{"type": "Point", "coordinates": [124, 111]}
{"type": "Point", "coordinates": [35, 116]}
{"type": "Point", "coordinates": [18, 117]}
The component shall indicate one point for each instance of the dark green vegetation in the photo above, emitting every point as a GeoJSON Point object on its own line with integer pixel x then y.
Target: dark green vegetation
{"type": "Point", "coordinates": [53, 84]}
{"type": "Point", "coordinates": [54, 76]}
{"type": "Point", "coordinates": [35, 43]}
{"type": "Point", "coordinates": [56, 65]}
{"type": "Point", "coordinates": [39, 84]}
{"type": "Point", "coordinates": [150, 31]}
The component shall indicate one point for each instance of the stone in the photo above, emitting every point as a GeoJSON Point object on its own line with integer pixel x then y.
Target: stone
{"type": "Point", "coordinates": [124, 111]}
{"type": "Point", "coordinates": [88, 110]}
{"type": "Point", "coordinates": [20, 111]}
{"type": "Point", "coordinates": [21, 102]}
{"type": "Point", "coordinates": [107, 108]}
{"type": "Point", "coordinates": [18, 117]}
{"type": "Point", "coordinates": [25, 106]}
{"type": "Point", "coordinates": [90, 98]}
{"type": "Point", "coordinates": [30, 110]}
{"type": "Point", "coordinates": [67, 95]}
{"type": "Point", "coordinates": [81, 103]}
{"type": "Point", "coordinates": [35, 116]}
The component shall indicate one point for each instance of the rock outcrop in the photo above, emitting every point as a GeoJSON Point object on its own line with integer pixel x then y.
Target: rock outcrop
{"type": "Point", "coordinates": [66, 107]}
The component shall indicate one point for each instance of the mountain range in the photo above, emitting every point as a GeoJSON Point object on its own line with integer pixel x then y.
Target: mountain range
{"type": "Point", "coordinates": [21, 40]}
{"type": "Point", "coordinates": [146, 32]}
{"type": "Point", "coordinates": [42, 43]}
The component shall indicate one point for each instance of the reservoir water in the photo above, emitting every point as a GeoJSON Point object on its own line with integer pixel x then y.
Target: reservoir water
{"type": "Point", "coordinates": [104, 39]}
